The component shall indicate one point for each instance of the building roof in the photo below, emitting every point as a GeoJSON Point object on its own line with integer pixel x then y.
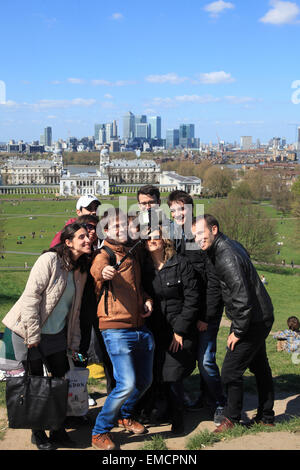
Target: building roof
{"type": "Point", "coordinates": [29, 163]}
{"type": "Point", "coordinates": [131, 163]}
{"type": "Point", "coordinates": [182, 179]}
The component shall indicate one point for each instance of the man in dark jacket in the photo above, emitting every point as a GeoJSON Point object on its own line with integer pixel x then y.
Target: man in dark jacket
{"type": "Point", "coordinates": [250, 310]}
{"type": "Point", "coordinates": [210, 306]}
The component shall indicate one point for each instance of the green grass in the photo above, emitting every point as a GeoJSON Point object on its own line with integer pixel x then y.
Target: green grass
{"type": "Point", "coordinates": [49, 216]}
{"type": "Point", "coordinates": [206, 438]}
{"type": "Point", "coordinates": [154, 443]}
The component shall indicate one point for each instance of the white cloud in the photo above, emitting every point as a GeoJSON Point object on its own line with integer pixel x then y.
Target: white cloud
{"type": "Point", "coordinates": [9, 104]}
{"type": "Point", "coordinates": [197, 99]}
{"type": "Point", "coordinates": [281, 13]}
{"type": "Point", "coordinates": [200, 99]}
{"type": "Point", "coordinates": [240, 99]}
{"type": "Point", "coordinates": [117, 16]}
{"type": "Point", "coordinates": [50, 104]}
{"type": "Point", "coordinates": [100, 82]}
{"type": "Point", "coordinates": [108, 96]}
{"type": "Point", "coordinates": [76, 81]}
{"type": "Point", "coordinates": [172, 78]}
{"type": "Point", "coordinates": [216, 8]}
{"type": "Point", "coordinates": [213, 78]}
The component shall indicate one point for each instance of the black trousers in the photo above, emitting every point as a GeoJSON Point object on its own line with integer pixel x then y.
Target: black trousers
{"type": "Point", "coordinates": [249, 352]}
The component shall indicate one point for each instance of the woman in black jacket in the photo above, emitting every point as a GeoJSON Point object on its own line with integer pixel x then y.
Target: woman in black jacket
{"type": "Point", "coordinates": [170, 280]}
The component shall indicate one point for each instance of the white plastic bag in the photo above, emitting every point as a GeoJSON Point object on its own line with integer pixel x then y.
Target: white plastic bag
{"type": "Point", "coordinates": [78, 399]}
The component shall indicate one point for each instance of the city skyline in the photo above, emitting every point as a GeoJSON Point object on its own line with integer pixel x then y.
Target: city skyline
{"type": "Point", "coordinates": [224, 66]}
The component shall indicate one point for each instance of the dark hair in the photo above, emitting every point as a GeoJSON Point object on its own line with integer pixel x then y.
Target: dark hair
{"type": "Point", "coordinates": [210, 220]}
{"type": "Point", "coordinates": [65, 253]}
{"type": "Point", "coordinates": [293, 323]}
{"type": "Point", "coordinates": [85, 219]}
{"type": "Point", "coordinates": [180, 196]}
{"type": "Point", "coordinates": [149, 190]}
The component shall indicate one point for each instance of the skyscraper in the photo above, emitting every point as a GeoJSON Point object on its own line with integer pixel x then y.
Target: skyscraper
{"type": "Point", "coordinates": [186, 134]}
{"type": "Point", "coordinates": [142, 130]}
{"type": "Point", "coordinates": [155, 126]}
{"type": "Point", "coordinates": [48, 136]}
{"type": "Point", "coordinates": [128, 125]}
{"type": "Point", "coordinates": [246, 142]}
{"type": "Point", "coordinates": [172, 138]}
{"type": "Point", "coordinates": [140, 118]}
{"type": "Point", "coordinates": [97, 129]}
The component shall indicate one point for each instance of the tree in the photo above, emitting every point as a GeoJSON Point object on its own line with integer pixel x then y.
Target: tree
{"type": "Point", "coordinates": [242, 191]}
{"type": "Point", "coordinates": [247, 223]}
{"type": "Point", "coordinates": [296, 187]}
{"type": "Point", "coordinates": [217, 181]}
{"type": "Point", "coordinates": [280, 195]}
{"type": "Point", "coordinates": [259, 183]}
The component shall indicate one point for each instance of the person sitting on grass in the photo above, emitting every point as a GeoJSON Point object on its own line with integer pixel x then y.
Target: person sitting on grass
{"type": "Point", "coordinates": [289, 339]}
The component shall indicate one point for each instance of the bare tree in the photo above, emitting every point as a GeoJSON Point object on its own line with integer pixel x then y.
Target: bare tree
{"type": "Point", "coordinates": [247, 223]}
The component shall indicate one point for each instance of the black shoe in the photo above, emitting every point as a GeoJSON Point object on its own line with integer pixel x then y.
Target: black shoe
{"type": "Point", "coordinates": [177, 424]}
{"type": "Point", "coordinates": [40, 439]}
{"type": "Point", "coordinates": [61, 438]}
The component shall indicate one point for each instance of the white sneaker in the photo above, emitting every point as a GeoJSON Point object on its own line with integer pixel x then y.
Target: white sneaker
{"type": "Point", "coordinates": [92, 402]}
{"type": "Point", "coordinates": [218, 416]}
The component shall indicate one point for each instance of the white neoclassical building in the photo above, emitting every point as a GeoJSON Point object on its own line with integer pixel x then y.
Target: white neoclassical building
{"type": "Point", "coordinates": [17, 171]}
{"type": "Point", "coordinates": [111, 173]}
{"type": "Point", "coordinates": [83, 183]}
{"type": "Point", "coordinates": [190, 184]}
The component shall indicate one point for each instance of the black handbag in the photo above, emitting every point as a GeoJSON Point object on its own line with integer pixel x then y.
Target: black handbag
{"type": "Point", "coordinates": [35, 402]}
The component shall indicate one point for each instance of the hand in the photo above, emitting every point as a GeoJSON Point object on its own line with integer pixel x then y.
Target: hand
{"type": "Point", "coordinates": [177, 343]}
{"type": "Point", "coordinates": [231, 341]}
{"type": "Point", "coordinates": [108, 273]}
{"type": "Point", "coordinates": [202, 325]}
{"type": "Point", "coordinates": [34, 345]}
{"type": "Point", "coordinates": [148, 307]}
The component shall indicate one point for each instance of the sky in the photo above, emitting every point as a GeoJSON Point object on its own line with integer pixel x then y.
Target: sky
{"type": "Point", "coordinates": [229, 67]}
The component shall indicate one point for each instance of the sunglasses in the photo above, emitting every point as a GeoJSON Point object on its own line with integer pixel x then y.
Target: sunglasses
{"type": "Point", "coordinates": [90, 226]}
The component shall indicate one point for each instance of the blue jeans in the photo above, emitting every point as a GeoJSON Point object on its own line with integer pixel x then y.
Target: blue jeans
{"type": "Point", "coordinates": [208, 368]}
{"type": "Point", "coordinates": [131, 352]}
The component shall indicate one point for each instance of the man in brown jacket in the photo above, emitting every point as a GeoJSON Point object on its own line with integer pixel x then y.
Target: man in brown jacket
{"type": "Point", "coordinates": [122, 309]}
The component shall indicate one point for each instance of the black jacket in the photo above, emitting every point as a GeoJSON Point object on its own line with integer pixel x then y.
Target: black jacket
{"type": "Point", "coordinates": [211, 304]}
{"type": "Point", "coordinates": [176, 298]}
{"type": "Point", "coordinates": [245, 297]}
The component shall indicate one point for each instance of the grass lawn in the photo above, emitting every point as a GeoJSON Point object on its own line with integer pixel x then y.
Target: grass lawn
{"type": "Point", "coordinates": [19, 218]}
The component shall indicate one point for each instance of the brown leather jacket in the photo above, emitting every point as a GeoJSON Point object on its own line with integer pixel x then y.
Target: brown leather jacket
{"type": "Point", "coordinates": [126, 297]}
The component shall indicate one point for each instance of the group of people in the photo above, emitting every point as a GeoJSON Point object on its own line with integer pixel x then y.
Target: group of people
{"type": "Point", "coordinates": [154, 300]}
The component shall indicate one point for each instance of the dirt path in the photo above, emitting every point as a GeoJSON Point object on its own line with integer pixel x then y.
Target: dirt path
{"type": "Point", "coordinates": [285, 406]}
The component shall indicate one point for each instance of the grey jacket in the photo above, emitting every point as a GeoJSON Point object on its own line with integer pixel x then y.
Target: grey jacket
{"type": "Point", "coordinates": [45, 286]}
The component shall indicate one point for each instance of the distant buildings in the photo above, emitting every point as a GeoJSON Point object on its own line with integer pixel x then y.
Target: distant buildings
{"type": "Point", "coordinates": [24, 172]}
{"type": "Point", "coordinates": [190, 184]}
{"type": "Point", "coordinates": [246, 142]}
{"type": "Point", "coordinates": [172, 138]}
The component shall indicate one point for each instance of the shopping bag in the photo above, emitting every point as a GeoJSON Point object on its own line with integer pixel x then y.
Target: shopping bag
{"type": "Point", "coordinates": [78, 399]}
{"type": "Point", "coordinates": [35, 402]}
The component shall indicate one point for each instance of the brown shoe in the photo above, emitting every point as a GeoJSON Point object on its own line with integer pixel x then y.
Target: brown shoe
{"type": "Point", "coordinates": [132, 426]}
{"type": "Point", "coordinates": [225, 424]}
{"type": "Point", "coordinates": [257, 420]}
{"type": "Point", "coordinates": [103, 441]}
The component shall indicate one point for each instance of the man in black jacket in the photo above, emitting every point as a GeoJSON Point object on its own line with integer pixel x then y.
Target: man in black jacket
{"type": "Point", "coordinates": [210, 306]}
{"type": "Point", "coordinates": [250, 310]}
